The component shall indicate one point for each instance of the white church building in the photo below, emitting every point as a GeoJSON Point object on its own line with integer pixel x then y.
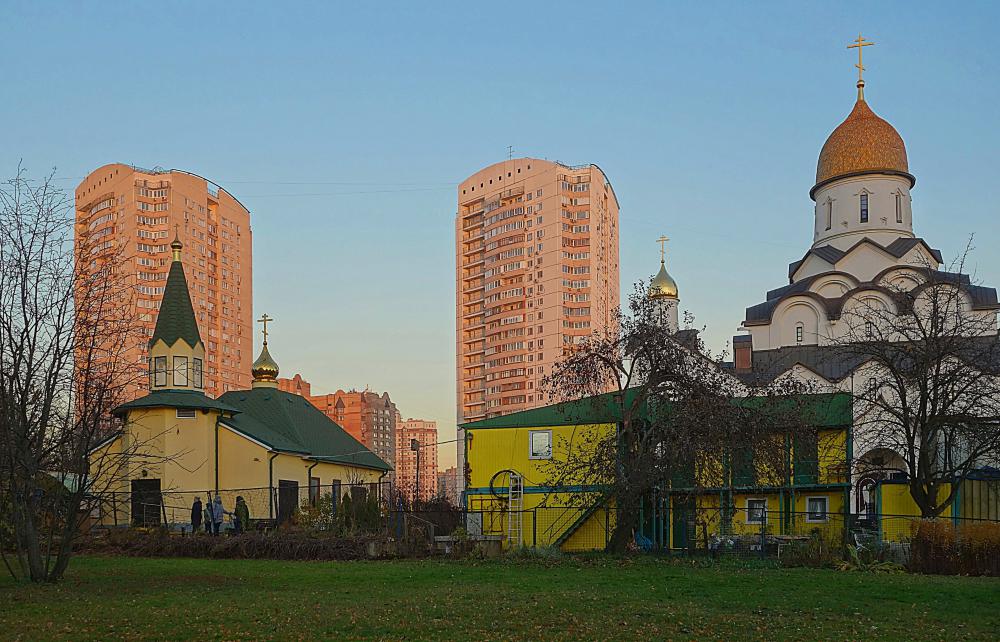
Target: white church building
{"type": "Point", "coordinates": [864, 249]}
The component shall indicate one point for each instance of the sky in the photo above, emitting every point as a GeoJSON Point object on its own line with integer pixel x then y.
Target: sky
{"type": "Point", "coordinates": [345, 127]}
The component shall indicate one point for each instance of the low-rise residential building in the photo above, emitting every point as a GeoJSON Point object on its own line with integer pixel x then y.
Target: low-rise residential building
{"type": "Point", "coordinates": [366, 415]}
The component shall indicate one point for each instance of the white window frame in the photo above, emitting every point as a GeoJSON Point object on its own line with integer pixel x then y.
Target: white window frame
{"type": "Point", "coordinates": [756, 522]}
{"type": "Point", "coordinates": [159, 373]}
{"type": "Point", "coordinates": [179, 379]}
{"type": "Point", "coordinates": [197, 373]}
{"type": "Point", "coordinates": [826, 509]}
{"type": "Point", "coordinates": [531, 447]}
{"type": "Point", "coordinates": [189, 413]}
{"type": "Point", "coordinates": [800, 333]}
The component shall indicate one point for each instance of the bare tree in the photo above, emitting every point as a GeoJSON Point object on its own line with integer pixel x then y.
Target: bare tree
{"type": "Point", "coordinates": [66, 320]}
{"type": "Point", "coordinates": [682, 422]}
{"type": "Point", "coordinates": [926, 387]}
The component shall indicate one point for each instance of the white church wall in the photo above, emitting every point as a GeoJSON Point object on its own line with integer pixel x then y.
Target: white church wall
{"type": "Point", "coordinates": [845, 223]}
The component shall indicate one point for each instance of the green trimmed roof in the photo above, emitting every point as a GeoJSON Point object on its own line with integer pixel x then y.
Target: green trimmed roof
{"type": "Point", "coordinates": [287, 422]}
{"type": "Point", "coordinates": [176, 319]}
{"type": "Point", "coordinates": [832, 410]}
{"type": "Point", "coordinates": [192, 399]}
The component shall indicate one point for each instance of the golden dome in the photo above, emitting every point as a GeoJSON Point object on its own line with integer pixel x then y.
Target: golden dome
{"type": "Point", "coordinates": [663, 285]}
{"type": "Point", "coordinates": [862, 143]}
{"type": "Point", "coordinates": [264, 368]}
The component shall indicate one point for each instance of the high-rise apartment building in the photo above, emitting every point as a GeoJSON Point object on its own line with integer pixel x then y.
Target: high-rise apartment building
{"type": "Point", "coordinates": [132, 214]}
{"type": "Point", "coordinates": [537, 272]}
{"type": "Point", "coordinates": [367, 416]}
{"type": "Point", "coordinates": [415, 485]}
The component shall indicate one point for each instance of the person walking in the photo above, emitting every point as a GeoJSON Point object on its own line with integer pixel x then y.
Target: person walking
{"type": "Point", "coordinates": [241, 515]}
{"type": "Point", "coordinates": [196, 515]}
{"type": "Point", "coordinates": [218, 513]}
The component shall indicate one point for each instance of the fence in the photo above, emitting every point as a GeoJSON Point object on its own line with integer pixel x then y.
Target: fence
{"type": "Point", "coordinates": [376, 509]}
{"type": "Point", "coordinates": [267, 506]}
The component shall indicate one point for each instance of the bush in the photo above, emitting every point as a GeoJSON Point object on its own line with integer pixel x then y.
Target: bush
{"type": "Point", "coordinates": [279, 545]}
{"type": "Point", "coordinates": [939, 547]}
{"type": "Point", "coordinates": [821, 550]}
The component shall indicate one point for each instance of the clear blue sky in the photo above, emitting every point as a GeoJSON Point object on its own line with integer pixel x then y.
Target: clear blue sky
{"type": "Point", "coordinates": [344, 129]}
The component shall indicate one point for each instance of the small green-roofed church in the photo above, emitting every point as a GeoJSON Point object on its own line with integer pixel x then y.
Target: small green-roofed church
{"type": "Point", "coordinates": [272, 448]}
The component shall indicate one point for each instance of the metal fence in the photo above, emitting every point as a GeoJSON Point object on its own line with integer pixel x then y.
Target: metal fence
{"type": "Point", "coordinates": [267, 506]}
{"type": "Point", "coordinates": [377, 509]}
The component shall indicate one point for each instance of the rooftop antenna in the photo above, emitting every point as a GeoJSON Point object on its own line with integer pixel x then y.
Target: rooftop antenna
{"type": "Point", "coordinates": [510, 152]}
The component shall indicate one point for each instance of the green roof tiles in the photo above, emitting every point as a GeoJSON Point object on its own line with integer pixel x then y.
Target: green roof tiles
{"type": "Point", "coordinates": [192, 399]}
{"type": "Point", "coordinates": [176, 318]}
{"type": "Point", "coordinates": [289, 423]}
{"type": "Point", "coordinates": [831, 410]}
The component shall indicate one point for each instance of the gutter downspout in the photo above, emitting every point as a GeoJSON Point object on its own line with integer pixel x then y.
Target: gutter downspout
{"type": "Point", "coordinates": [309, 476]}
{"type": "Point", "coordinates": [217, 420]}
{"type": "Point", "coordinates": [270, 486]}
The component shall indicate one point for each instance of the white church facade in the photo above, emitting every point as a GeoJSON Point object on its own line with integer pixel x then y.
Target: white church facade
{"type": "Point", "coordinates": [864, 255]}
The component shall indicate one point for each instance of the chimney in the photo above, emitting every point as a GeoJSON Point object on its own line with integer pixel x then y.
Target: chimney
{"type": "Point", "coordinates": [743, 352]}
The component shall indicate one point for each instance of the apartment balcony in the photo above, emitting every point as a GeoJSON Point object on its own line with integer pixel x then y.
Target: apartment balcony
{"type": "Point", "coordinates": [471, 223]}
{"type": "Point", "coordinates": [512, 192]}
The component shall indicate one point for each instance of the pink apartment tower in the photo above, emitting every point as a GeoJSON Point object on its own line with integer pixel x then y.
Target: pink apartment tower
{"type": "Point", "coordinates": [536, 272]}
{"type": "Point", "coordinates": [134, 214]}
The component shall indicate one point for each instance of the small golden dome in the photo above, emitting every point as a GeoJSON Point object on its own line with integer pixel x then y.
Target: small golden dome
{"type": "Point", "coordinates": [862, 143]}
{"type": "Point", "coordinates": [264, 368]}
{"type": "Point", "coordinates": [663, 285]}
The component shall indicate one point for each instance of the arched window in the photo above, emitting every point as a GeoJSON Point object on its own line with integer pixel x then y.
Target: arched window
{"type": "Point", "coordinates": [829, 213]}
{"type": "Point", "coordinates": [899, 207]}
{"type": "Point", "coordinates": [864, 207]}
{"type": "Point", "coordinates": [799, 331]}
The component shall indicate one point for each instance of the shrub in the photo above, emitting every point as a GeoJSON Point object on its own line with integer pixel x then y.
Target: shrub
{"type": "Point", "coordinates": [254, 545]}
{"type": "Point", "coordinates": [939, 547]}
{"type": "Point", "coordinates": [821, 550]}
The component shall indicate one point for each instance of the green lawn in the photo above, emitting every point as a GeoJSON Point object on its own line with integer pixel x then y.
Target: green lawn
{"type": "Point", "coordinates": [584, 598]}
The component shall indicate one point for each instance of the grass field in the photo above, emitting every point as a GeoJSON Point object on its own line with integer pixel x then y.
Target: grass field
{"type": "Point", "coordinates": [586, 598]}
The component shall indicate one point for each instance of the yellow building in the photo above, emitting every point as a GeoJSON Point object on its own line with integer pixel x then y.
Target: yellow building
{"type": "Point", "coordinates": [271, 447]}
{"type": "Point", "coordinates": [508, 465]}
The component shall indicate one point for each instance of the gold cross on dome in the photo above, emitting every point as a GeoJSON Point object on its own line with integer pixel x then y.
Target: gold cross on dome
{"type": "Point", "coordinates": [860, 44]}
{"type": "Point", "coordinates": [264, 320]}
{"type": "Point", "coordinates": [663, 247]}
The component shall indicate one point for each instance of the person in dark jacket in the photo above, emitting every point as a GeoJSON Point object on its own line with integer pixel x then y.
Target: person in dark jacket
{"type": "Point", "coordinates": [241, 515]}
{"type": "Point", "coordinates": [196, 511]}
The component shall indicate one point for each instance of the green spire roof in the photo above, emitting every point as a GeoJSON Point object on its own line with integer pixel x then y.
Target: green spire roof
{"type": "Point", "coordinates": [176, 319]}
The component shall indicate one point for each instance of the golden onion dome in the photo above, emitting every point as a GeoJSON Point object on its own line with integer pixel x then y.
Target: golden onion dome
{"type": "Point", "coordinates": [264, 368]}
{"type": "Point", "coordinates": [863, 143]}
{"type": "Point", "coordinates": [663, 285]}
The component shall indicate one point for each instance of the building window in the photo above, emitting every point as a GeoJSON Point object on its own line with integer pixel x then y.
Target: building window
{"type": "Point", "coordinates": [185, 413]}
{"type": "Point", "coordinates": [899, 207]}
{"type": "Point", "coordinates": [180, 371]}
{"type": "Point", "coordinates": [829, 213]}
{"type": "Point", "coordinates": [816, 509]}
{"type": "Point", "coordinates": [197, 373]}
{"type": "Point", "coordinates": [540, 444]}
{"type": "Point", "coordinates": [313, 490]}
{"type": "Point", "coordinates": [756, 511]}
{"type": "Point", "coordinates": [159, 371]}
{"type": "Point", "coordinates": [869, 328]}
{"type": "Point", "coordinates": [799, 331]}
{"type": "Point", "coordinates": [873, 387]}
{"type": "Point", "coordinates": [864, 207]}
